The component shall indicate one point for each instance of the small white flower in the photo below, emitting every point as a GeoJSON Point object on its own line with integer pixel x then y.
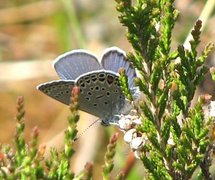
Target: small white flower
{"type": "Point", "coordinates": [136, 143]}
{"type": "Point", "coordinates": [129, 135]}
{"type": "Point", "coordinates": [125, 123]}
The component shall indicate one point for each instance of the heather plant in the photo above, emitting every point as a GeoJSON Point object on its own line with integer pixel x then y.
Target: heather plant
{"type": "Point", "coordinates": [171, 138]}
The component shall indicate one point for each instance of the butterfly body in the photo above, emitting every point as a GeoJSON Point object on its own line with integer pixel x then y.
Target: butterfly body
{"type": "Point", "coordinates": [100, 91]}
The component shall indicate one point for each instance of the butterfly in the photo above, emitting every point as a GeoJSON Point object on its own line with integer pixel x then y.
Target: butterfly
{"type": "Point", "coordinates": [100, 91]}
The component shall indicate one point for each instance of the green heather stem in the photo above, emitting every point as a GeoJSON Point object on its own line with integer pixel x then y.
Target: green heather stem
{"type": "Point", "coordinates": [71, 131]}
{"type": "Point", "coordinates": [204, 17]}
{"type": "Point", "coordinates": [70, 134]}
{"type": "Point", "coordinates": [19, 137]}
{"type": "Point", "coordinates": [109, 155]}
{"type": "Point", "coordinates": [124, 84]}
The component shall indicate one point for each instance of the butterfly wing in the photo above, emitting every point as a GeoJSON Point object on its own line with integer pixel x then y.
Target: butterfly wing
{"type": "Point", "coordinates": [100, 93]}
{"type": "Point", "coordinates": [59, 90]}
{"type": "Point", "coordinates": [75, 63]}
{"type": "Point", "coordinates": [113, 59]}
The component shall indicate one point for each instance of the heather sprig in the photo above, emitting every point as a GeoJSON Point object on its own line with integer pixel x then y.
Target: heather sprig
{"type": "Point", "coordinates": [124, 84]}
{"type": "Point", "coordinates": [19, 137]}
{"type": "Point", "coordinates": [27, 161]}
{"type": "Point", "coordinates": [61, 163]}
{"type": "Point", "coordinates": [109, 155]}
{"type": "Point", "coordinates": [173, 138]}
{"type": "Point", "coordinates": [71, 131]}
{"type": "Point", "coordinates": [190, 71]}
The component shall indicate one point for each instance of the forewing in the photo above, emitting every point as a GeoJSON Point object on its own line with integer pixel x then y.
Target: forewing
{"type": "Point", "coordinates": [59, 90]}
{"type": "Point", "coordinates": [113, 59]}
{"type": "Point", "coordinates": [100, 93]}
{"type": "Point", "coordinates": [75, 63]}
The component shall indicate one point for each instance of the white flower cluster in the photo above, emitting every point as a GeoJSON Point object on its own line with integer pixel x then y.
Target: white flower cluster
{"type": "Point", "coordinates": [136, 140]}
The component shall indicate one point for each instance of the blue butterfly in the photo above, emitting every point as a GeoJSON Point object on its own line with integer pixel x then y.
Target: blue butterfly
{"type": "Point", "coordinates": [100, 91]}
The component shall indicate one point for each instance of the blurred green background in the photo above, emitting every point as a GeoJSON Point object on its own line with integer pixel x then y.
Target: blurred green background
{"type": "Point", "coordinates": [33, 33]}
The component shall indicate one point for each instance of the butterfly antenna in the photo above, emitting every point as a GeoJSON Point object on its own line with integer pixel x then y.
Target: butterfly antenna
{"type": "Point", "coordinates": [93, 123]}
